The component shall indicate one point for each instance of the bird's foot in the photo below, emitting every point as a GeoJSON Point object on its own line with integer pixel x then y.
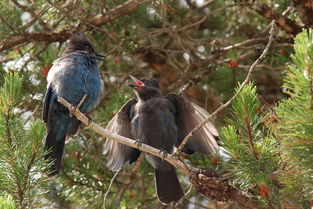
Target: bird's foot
{"type": "Point", "coordinates": [138, 143]}
{"type": "Point", "coordinates": [164, 153]}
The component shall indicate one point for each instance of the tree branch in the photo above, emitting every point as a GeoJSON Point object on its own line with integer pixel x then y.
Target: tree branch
{"type": "Point", "coordinates": [283, 22]}
{"type": "Point", "coordinates": [46, 37]}
{"type": "Point", "coordinates": [60, 36]}
{"type": "Point", "coordinates": [224, 106]}
{"type": "Point", "coordinates": [212, 185]}
{"type": "Point", "coordinates": [305, 11]}
{"type": "Point", "coordinates": [121, 10]}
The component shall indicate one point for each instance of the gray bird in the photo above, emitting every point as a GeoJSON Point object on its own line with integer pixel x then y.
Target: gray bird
{"type": "Point", "coordinates": [161, 122]}
{"type": "Point", "coordinates": [74, 74]}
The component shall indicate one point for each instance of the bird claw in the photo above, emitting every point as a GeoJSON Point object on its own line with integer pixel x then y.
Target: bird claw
{"type": "Point", "coordinates": [138, 142]}
{"type": "Point", "coordinates": [164, 153]}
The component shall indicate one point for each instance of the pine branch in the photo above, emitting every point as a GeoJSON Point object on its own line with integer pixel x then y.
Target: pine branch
{"type": "Point", "coordinates": [7, 125]}
{"type": "Point", "coordinates": [250, 138]}
{"type": "Point", "coordinates": [21, 150]}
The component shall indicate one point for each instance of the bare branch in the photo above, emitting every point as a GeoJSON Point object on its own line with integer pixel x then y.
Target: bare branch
{"type": "Point", "coordinates": [224, 106]}
{"type": "Point", "coordinates": [46, 37]}
{"type": "Point", "coordinates": [222, 51]}
{"type": "Point", "coordinates": [109, 188]}
{"type": "Point", "coordinates": [206, 4]}
{"type": "Point", "coordinates": [6, 60]}
{"type": "Point", "coordinates": [212, 185]}
{"type": "Point", "coordinates": [282, 21]}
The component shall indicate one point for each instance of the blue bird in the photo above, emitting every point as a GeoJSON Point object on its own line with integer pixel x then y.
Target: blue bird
{"type": "Point", "coordinates": [72, 76]}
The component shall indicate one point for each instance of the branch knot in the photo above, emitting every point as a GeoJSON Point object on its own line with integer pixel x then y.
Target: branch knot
{"type": "Point", "coordinates": [211, 184]}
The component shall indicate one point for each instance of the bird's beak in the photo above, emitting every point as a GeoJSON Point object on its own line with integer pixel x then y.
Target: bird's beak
{"type": "Point", "coordinates": [138, 83]}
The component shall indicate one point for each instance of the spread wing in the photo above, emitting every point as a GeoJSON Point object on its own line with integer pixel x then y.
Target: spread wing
{"type": "Point", "coordinates": [120, 124]}
{"type": "Point", "coordinates": [188, 116]}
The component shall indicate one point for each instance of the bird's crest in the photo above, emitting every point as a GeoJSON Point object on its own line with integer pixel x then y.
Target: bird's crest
{"type": "Point", "coordinates": [78, 42]}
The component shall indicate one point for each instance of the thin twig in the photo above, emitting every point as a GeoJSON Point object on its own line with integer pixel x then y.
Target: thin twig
{"type": "Point", "coordinates": [206, 4]}
{"type": "Point", "coordinates": [183, 198]}
{"type": "Point", "coordinates": [81, 101]}
{"type": "Point", "coordinates": [36, 54]}
{"type": "Point", "coordinates": [224, 106]}
{"type": "Point", "coordinates": [110, 185]}
{"type": "Point", "coordinates": [33, 14]}
{"type": "Point", "coordinates": [33, 113]}
{"type": "Point", "coordinates": [133, 179]}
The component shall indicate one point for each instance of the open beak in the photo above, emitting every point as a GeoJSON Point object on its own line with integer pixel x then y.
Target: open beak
{"type": "Point", "coordinates": [138, 83]}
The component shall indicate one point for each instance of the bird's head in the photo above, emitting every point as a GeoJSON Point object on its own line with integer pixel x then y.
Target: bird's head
{"type": "Point", "coordinates": [145, 88]}
{"type": "Point", "coordinates": [79, 42]}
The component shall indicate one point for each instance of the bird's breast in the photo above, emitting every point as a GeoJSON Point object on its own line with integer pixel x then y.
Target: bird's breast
{"type": "Point", "coordinates": [156, 129]}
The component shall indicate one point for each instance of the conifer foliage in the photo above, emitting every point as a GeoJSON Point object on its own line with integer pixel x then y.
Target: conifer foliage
{"type": "Point", "coordinates": [6, 202]}
{"type": "Point", "coordinates": [271, 150]}
{"type": "Point", "coordinates": [22, 163]}
{"type": "Point", "coordinates": [294, 129]}
{"type": "Point", "coordinates": [253, 151]}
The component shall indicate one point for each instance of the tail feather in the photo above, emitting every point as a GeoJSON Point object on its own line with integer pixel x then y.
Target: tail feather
{"type": "Point", "coordinates": [168, 186]}
{"type": "Point", "coordinates": [55, 148]}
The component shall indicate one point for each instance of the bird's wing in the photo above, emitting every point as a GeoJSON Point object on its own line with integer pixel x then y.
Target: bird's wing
{"type": "Point", "coordinates": [46, 103]}
{"type": "Point", "coordinates": [188, 116]}
{"type": "Point", "coordinates": [120, 124]}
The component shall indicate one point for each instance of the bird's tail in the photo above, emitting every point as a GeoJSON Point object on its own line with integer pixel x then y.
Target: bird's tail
{"type": "Point", "coordinates": [55, 148]}
{"type": "Point", "coordinates": [167, 186]}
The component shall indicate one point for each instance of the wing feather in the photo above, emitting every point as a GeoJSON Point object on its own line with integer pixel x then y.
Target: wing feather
{"type": "Point", "coordinates": [188, 116]}
{"type": "Point", "coordinates": [120, 124]}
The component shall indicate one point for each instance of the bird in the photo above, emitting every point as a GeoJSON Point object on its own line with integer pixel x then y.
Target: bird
{"type": "Point", "coordinates": [161, 122]}
{"type": "Point", "coordinates": [71, 76]}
